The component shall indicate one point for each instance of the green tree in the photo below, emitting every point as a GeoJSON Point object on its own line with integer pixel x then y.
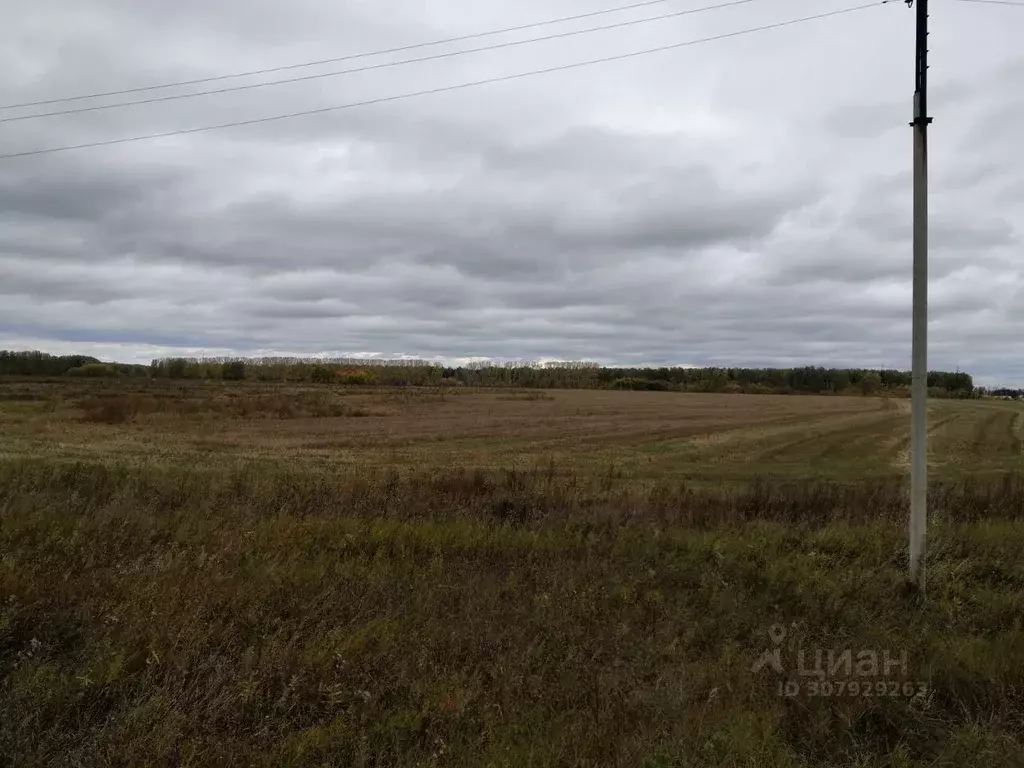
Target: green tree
{"type": "Point", "coordinates": [233, 370]}
{"type": "Point", "coordinates": [871, 383]}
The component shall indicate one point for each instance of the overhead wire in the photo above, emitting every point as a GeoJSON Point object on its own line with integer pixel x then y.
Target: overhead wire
{"type": "Point", "coordinates": [366, 54]}
{"type": "Point", "coordinates": [440, 89]}
{"type": "Point", "coordinates": [370, 67]}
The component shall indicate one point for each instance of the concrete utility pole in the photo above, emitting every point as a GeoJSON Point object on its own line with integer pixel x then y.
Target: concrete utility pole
{"type": "Point", "coordinates": [919, 375]}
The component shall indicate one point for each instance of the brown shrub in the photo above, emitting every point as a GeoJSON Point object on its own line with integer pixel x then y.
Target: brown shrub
{"type": "Point", "coordinates": [123, 408]}
{"type": "Point", "coordinates": [530, 396]}
{"type": "Point", "coordinates": [116, 409]}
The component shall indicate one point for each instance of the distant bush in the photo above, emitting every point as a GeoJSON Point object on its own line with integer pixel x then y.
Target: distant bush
{"type": "Point", "coordinates": [177, 368]}
{"type": "Point", "coordinates": [110, 410]}
{"type": "Point", "coordinates": [233, 370]}
{"type": "Point", "coordinates": [357, 378]}
{"type": "Point", "coordinates": [95, 371]}
{"type": "Point", "coordinates": [870, 383]}
{"type": "Point", "coordinates": [652, 385]}
{"type": "Point", "coordinates": [203, 403]}
{"type": "Point", "coordinates": [40, 363]}
{"type": "Point", "coordinates": [530, 396]}
{"type": "Point", "coordinates": [321, 374]}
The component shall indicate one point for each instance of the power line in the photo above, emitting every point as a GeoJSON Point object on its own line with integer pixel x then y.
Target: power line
{"type": "Point", "coordinates": [349, 57]}
{"type": "Point", "coordinates": [441, 89]}
{"type": "Point", "coordinates": [383, 65]}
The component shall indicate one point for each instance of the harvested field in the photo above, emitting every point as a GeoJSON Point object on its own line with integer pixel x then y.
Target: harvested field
{"type": "Point", "coordinates": [641, 435]}
{"type": "Point", "coordinates": [216, 574]}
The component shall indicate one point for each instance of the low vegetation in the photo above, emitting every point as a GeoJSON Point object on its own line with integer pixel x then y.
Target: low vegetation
{"type": "Point", "coordinates": [116, 408]}
{"type": "Point", "coordinates": [469, 577]}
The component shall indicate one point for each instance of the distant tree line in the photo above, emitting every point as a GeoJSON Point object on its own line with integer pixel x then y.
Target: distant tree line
{"type": "Point", "coordinates": [349, 371]}
{"type": "Point", "coordinates": [43, 364]}
{"type": "Point", "coordinates": [550, 375]}
{"type": "Point", "coordinates": [564, 375]}
{"type": "Point", "coordinates": [1002, 392]}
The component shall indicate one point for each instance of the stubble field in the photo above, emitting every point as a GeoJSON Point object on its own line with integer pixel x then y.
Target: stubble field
{"type": "Point", "coordinates": [245, 574]}
{"type": "Point", "coordinates": [641, 435]}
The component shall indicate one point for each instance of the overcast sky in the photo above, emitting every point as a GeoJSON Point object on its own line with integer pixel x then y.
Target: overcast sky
{"type": "Point", "coordinates": [741, 202]}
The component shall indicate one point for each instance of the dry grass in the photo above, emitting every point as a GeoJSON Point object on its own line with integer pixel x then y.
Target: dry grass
{"type": "Point", "coordinates": [709, 439]}
{"type": "Point", "coordinates": [528, 396]}
{"type": "Point", "coordinates": [118, 408]}
{"type": "Point", "coordinates": [196, 585]}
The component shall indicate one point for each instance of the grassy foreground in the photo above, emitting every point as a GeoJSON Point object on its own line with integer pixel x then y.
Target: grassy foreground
{"type": "Point", "coordinates": [374, 603]}
{"type": "Point", "coordinates": [247, 618]}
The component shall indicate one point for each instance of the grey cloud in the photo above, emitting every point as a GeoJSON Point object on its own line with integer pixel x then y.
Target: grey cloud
{"type": "Point", "coordinates": [305, 310]}
{"type": "Point", "coordinates": [866, 121]}
{"type": "Point", "coordinates": [51, 285]}
{"type": "Point", "coordinates": [471, 223]}
{"type": "Point", "coordinates": [67, 192]}
{"type": "Point", "coordinates": [957, 232]}
{"type": "Point", "coordinates": [619, 214]}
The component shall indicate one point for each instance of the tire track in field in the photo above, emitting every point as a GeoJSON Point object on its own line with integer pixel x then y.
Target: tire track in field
{"type": "Point", "coordinates": [863, 442]}
{"type": "Point", "coordinates": [993, 435]}
{"type": "Point", "coordinates": [742, 435]}
{"type": "Point", "coordinates": [618, 434]}
{"type": "Point", "coordinates": [830, 442]}
{"type": "Point", "coordinates": [899, 450]}
{"type": "Point", "coordinates": [981, 434]}
{"type": "Point", "coordinates": [971, 435]}
{"type": "Point", "coordinates": [832, 435]}
{"type": "Point", "coordinates": [695, 433]}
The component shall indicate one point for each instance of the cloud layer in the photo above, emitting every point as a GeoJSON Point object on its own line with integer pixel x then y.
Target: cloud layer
{"type": "Point", "coordinates": [743, 202]}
